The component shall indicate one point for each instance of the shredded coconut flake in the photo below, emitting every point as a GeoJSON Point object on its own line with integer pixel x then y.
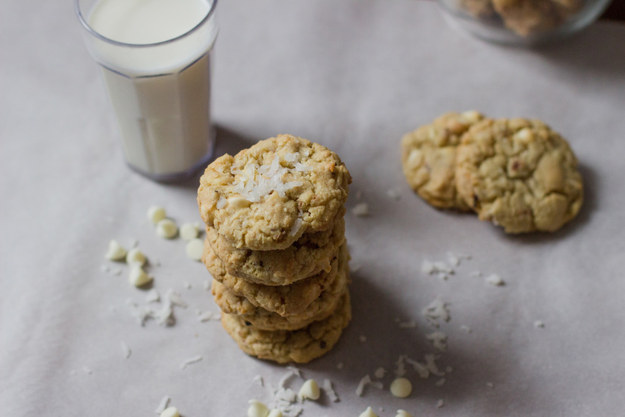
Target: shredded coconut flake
{"type": "Point", "coordinates": [419, 367]}
{"type": "Point", "coordinates": [191, 361]}
{"type": "Point", "coordinates": [126, 350]}
{"type": "Point", "coordinates": [400, 366]}
{"type": "Point", "coordinates": [152, 296]}
{"type": "Point", "coordinates": [205, 316]}
{"type": "Point", "coordinates": [163, 404]}
{"type": "Point", "coordinates": [297, 225]}
{"type": "Point", "coordinates": [430, 363]}
{"type": "Point", "coordinates": [364, 381]}
{"type": "Point", "coordinates": [259, 380]}
{"type": "Point", "coordinates": [440, 382]}
{"type": "Point", "coordinates": [330, 391]}
{"type": "Point", "coordinates": [438, 340]}
{"type": "Point", "coordinates": [437, 310]}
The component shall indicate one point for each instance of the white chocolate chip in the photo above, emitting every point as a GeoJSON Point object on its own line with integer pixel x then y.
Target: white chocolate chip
{"type": "Point", "coordinates": [167, 229]}
{"type": "Point", "coordinates": [189, 231]}
{"type": "Point", "coordinates": [403, 413]}
{"type": "Point", "coordinates": [138, 277]}
{"type": "Point", "coordinates": [275, 413]}
{"type": "Point", "coordinates": [238, 202]}
{"type": "Point", "coordinates": [309, 390]}
{"type": "Point", "coordinates": [170, 412]}
{"type": "Point", "coordinates": [156, 214]}
{"type": "Point", "coordinates": [115, 251]}
{"type": "Point", "coordinates": [401, 387]}
{"type": "Point", "coordinates": [194, 249]}
{"type": "Point", "coordinates": [135, 257]}
{"type": "Point", "coordinates": [368, 413]}
{"type": "Point", "coordinates": [257, 409]}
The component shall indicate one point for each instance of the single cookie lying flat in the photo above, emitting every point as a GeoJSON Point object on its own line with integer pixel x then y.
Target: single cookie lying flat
{"type": "Point", "coordinates": [285, 346]}
{"type": "Point", "coordinates": [320, 308]}
{"type": "Point", "coordinates": [285, 300]}
{"type": "Point", "coordinates": [266, 197]}
{"type": "Point", "coordinates": [429, 158]}
{"type": "Point", "coordinates": [309, 255]}
{"type": "Point", "coordinates": [519, 174]}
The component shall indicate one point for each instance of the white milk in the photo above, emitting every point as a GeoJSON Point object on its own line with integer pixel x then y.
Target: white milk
{"type": "Point", "coordinates": [160, 93]}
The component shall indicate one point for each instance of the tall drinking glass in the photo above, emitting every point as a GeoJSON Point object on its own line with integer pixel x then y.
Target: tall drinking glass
{"type": "Point", "coordinates": [156, 62]}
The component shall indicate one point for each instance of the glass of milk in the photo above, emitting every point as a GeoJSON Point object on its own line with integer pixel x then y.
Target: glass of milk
{"type": "Point", "coordinates": [156, 61]}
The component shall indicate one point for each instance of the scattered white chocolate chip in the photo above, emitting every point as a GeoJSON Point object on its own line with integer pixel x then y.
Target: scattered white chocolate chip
{"type": "Point", "coordinates": [166, 229]}
{"type": "Point", "coordinates": [275, 413]}
{"type": "Point", "coordinates": [170, 412]}
{"type": "Point", "coordinates": [115, 251]}
{"type": "Point", "coordinates": [135, 257]}
{"type": "Point", "coordinates": [494, 279]}
{"type": "Point", "coordinates": [309, 390]}
{"type": "Point", "coordinates": [194, 249]}
{"type": "Point", "coordinates": [156, 214]}
{"type": "Point", "coordinates": [257, 409]}
{"type": "Point", "coordinates": [368, 413]}
{"type": "Point", "coordinates": [138, 277]}
{"type": "Point", "coordinates": [189, 231]}
{"type": "Point", "coordinates": [361, 210]}
{"type": "Point", "coordinates": [401, 387]}
{"type": "Point", "coordinates": [403, 413]}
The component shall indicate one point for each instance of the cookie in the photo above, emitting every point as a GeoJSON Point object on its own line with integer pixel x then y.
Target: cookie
{"type": "Point", "coordinates": [519, 174]}
{"type": "Point", "coordinates": [429, 156]}
{"type": "Point", "coordinates": [310, 255]}
{"type": "Point", "coordinates": [268, 196]}
{"type": "Point", "coordinates": [231, 303]}
{"type": "Point", "coordinates": [285, 300]}
{"type": "Point", "coordinates": [285, 346]}
{"type": "Point", "coordinates": [526, 17]}
{"type": "Point", "coordinates": [478, 8]}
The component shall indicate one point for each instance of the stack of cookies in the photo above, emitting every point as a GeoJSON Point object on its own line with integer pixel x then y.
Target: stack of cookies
{"type": "Point", "coordinates": [275, 246]}
{"type": "Point", "coordinates": [516, 173]}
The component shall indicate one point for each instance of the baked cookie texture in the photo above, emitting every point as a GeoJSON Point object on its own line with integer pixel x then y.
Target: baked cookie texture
{"type": "Point", "coordinates": [310, 255]}
{"type": "Point", "coordinates": [269, 195]}
{"type": "Point", "coordinates": [519, 174]}
{"type": "Point", "coordinates": [320, 308]}
{"type": "Point", "coordinates": [524, 17]}
{"type": "Point", "coordinates": [284, 300]}
{"type": "Point", "coordinates": [283, 346]}
{"type": "Point", "coordinates": [429, 158]}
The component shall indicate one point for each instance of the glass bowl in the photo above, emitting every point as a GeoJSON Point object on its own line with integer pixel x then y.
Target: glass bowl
{"type": "Point", "coordinates": [522, 22]}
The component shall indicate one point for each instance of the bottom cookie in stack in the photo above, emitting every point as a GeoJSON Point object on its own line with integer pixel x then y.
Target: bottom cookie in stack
{"type": "Point", "coordinates": [285, 346]}
{"type": "Point", "coordinates": [289, 323]}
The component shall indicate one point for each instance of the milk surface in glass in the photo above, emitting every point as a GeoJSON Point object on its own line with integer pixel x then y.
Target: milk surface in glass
{"type": "Point", "coordinates": [155, 56]}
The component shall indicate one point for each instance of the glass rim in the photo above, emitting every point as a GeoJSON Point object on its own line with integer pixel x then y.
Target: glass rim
{"type": "Point", "coordinates": [92, 31]}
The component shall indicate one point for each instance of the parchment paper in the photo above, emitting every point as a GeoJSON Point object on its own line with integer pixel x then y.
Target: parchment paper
{"type": "Point", "coordinates": [353, 75]}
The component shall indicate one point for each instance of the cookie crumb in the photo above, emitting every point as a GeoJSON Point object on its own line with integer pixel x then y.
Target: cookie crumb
{"type": "Point", "coordinates": [440, 382]}
{"type": "Point", "coordinates": [419, 367]}
{"type": "Point", "coordinates": [437, 310]}
{"type": "Point", "coordinates": [539, 324]}
{"type": "Point", "coordinates": [152, 296]}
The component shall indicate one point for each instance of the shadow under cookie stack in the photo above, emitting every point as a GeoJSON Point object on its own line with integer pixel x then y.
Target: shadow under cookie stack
{"type": "Point", "coordinates": [275, 246]}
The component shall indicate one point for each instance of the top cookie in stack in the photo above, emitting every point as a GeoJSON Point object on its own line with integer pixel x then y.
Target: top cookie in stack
{"type": "Point", "coordinates": [275, 246]}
